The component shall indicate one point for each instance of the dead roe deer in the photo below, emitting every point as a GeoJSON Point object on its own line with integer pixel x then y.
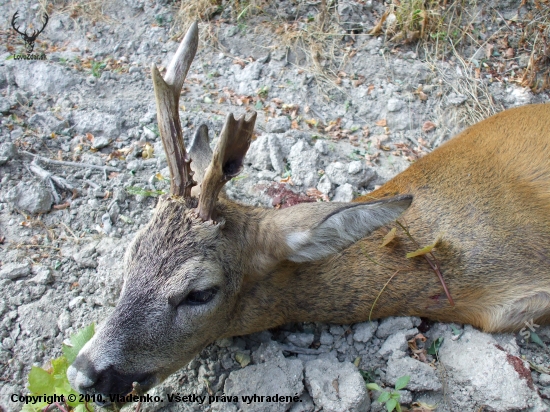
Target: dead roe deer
{"type": "Point", "coordinates": [206, 267]}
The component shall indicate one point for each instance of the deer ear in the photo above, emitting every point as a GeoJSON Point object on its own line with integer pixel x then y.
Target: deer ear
{"type": "Point", "coordinates": [201, 154]}
{"type": "Point", "coordinates": [342, 227]}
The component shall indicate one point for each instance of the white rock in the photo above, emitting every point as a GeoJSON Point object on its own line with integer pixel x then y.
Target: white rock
{"type": "Point", "coordinates": [336, 386]}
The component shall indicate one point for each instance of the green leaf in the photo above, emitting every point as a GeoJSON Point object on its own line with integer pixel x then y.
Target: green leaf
{"type": "Point", "coordinates": [456, 331]}
{"type": "Point", "coordinates": [390, 405]}
{"type": "Point", "coordinates": [34, 407]}
{"type": "Point", "coordinates": [384, 397]}
{"type": "Point", "coordinates": [402, 382]}
{"type": "Point", "coordinates": [60, 366]}
{"type": "Point", "coordinates": [536, 339]}
{"type": "Point", "coordinates": [77, 342]}
{"type": "Point", "coordinates": [434, 347]}
{"type": "Point", "coordinates": [82, 408]}
{"type": "Point", "coordinates": [40, 381]}
{"type": "Point", "coordinates": [373, 387]}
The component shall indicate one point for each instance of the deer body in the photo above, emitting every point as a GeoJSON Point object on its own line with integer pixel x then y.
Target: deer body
{"type": "Point", "coordinates": [485, 195]}
{"type": "Point", "coordinates": [208, 268]}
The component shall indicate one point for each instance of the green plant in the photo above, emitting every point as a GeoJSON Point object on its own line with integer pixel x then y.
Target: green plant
{"type": "Point", "coordinates": [50, 383]}
{"type": "Point", "coordinates": [434, 347]}
{"type": "Point", "coordinates": [391, 397]}
{"type": "Point", "coordinates": [356, 154]}
{"type": "Point", "coordinates": [368, 376]}
{"type": "Point", "coordinates": [263, 91]}
{"type": "Point", "coordinates": [287, 172]}
{"type": "Point", "coordinates": [97, 68]}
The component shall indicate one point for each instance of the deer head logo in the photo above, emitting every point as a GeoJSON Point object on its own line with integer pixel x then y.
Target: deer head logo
{"type": "Point", "coordinates": [29, 40]}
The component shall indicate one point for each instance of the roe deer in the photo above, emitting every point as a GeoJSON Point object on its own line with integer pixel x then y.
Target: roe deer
{"type": "Point", "coordinates": [207, 267]}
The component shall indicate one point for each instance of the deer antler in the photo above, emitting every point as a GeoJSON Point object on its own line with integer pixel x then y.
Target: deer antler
{"type": "Point", "coordinates": [227, 161]}
{"type": "Point", "coordinates": [35, 32]}
{"type": "Point", "coordinates": [167, 95]}
{"type": "Point", "coordinates": [13, 24]}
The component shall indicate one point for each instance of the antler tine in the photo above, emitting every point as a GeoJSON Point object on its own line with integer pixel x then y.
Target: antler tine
{"type": "Point", "coordinates": [167, 95]}
{"type": "Point", "coordinates": [227, 161]}
{"type": "Point", "coordinates": [46, 19]}
{"type": "Point", "coordinates": [14, 18]}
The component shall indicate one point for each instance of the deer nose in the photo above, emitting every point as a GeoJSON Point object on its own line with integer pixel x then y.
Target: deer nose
{"type": "Point", "coordinates": [81, 374]}
{"type": "Point", "coordinates": [85, 378]}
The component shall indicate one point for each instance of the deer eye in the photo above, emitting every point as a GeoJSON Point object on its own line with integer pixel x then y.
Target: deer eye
{"type": "Point", "coordinates": [200, 297]}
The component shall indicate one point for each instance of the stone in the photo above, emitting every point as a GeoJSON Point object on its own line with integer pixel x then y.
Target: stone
{"type": "Point", "coordinates": [85, 256]}
{"type": "Point", "coordinates": [278, 124]}
{"type": "Point", "coordinates": [97, 123]}
{"type": "Point", "coordinates": [13, 271]}
{"type": "Point", "coordinates": [48, 122]}
{"type": "Point", "coordinates": [276, 154]}
{"type": "Point", "coordinates": [339, 173]}
{"type": "Point", "coordinates": [393, 324]}
{"type": "Point", "coordinates": [134, 165]}
{"type": "Point", "coordinates": [343, 193]}
{"type": "Point", "coordinates": [32, 197]}
{"type": "Point", "coordinates": [321, 146]}
{"type": "Point", "coordinates": [7, 152]}
{"type": "Point", "coordinates": [5, 105]}
{"type": "Point", "coordinates": [305, 404]}
{"type": "Point", "coordinates": [336, 386]}
{"type": "Point", "coordinates": [454, 99]}
{"type": "Point", "coordinates": [324, 185]}
{"type": "Point", "coordinates": [64, 321]}
{"type": "Point", "coordinates": [100, 142]}
{"type": "Point", "coordinates": [278, 376]}
{"type": "Point", "coordinates": [92, 159]}
{"type": "Point", "coordinates": [224, 342]}
{"type": "Point", "coordinates": [252, 71]}
{"type": "Point", "coordinates": [267, 352]}
{"type": "Point", "coordinates": [394, 105]}
{"type": "Point", "coordinates": [326, 338]}
{"type": "Point", "coordinates": [497, 380]}
{"type": "Point", "coordinates": [544, 379]}
{"type": "Point", "coordinates": [43, 275]}
{"type": "Point", "coordinates": [50, 79]}
{"type": "Point", "coordinates": [363, 332]}
{"type": "Point", "coordinates": [423, 377]}
{"type": "Point", "coordinates": [397, 342]}
{"type": "Point", "coordinates": [258, 155]}
{"type": "Point", "coordinates": [302, 340]}
{"type": "Point", "coordinates": [40, 317]}
{"type": "Point", "coordinates": [75, 302]}
{"type": "Point", "coordinates": [303, 161]}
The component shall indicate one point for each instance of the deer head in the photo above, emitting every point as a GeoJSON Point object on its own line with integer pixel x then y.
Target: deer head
{"type": "Point", "coordinates": [202, 268]}
{"type": "Point", "coordinates": [29, 39]}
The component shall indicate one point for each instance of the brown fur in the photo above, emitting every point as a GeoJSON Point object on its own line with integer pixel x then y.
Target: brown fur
{"type": "Point", "coordinates": [485, 194]}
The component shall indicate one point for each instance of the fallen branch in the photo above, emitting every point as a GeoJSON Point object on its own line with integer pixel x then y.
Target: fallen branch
{"type": "Point", "coordinates": [73, 164]}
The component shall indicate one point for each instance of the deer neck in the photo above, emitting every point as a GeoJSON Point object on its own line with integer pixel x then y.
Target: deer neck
{"type": "Point", "coordinates": [363, 282]}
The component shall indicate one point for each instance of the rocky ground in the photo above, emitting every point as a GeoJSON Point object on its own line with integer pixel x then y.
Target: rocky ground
{"type": "Point", "coordinates": [64, 228]}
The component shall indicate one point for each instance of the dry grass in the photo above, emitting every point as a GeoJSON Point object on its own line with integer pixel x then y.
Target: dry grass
{"type": "Point", "coordinates": [535, 39]}
{"type": "Point", "coordinates": [192, 10]}
{"type": "Point", "coordinates": [452, 28]}
{"type": "Point", "coordinates": [90, 10]}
